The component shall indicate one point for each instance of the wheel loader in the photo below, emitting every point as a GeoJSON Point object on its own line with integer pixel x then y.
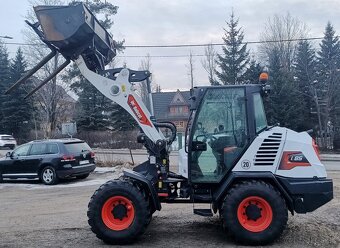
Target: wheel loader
{"type": "Point", "coordinates": [249, 173]}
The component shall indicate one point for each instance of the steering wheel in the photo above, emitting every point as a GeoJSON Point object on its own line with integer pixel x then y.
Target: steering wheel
{"type": "Point", "coordinates": [212, 137]}
{"type": "Point", "coordinates": [205, 137]}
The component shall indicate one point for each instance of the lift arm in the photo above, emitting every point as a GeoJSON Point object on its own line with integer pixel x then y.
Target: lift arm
{"type": "Point", "coordinates": [121, 92]}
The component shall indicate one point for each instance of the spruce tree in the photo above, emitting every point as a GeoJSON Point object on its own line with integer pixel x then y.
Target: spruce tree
{"type": "Point", "coordinates": [4, 82]}
{"type": "Point", "coordinates": [16, 110]}
{"type": "Point", "coordinates": [91, 104]}
{"type": "Point", "coordinates": [235, 58]}
{"type": "Point", "coordinates": [328, 82]}
{"type": "Point", "coordinates": [305, 76]}
{"type": "Point", "coordinates": [283, 104]}
{"type": "Point", "coordinates": [121, 120]}
{"type": "Point", "coordinates": [251, 76]}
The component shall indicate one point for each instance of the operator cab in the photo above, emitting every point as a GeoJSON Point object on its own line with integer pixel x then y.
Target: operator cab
{"type": "Point", "coordinates": [224, 121]}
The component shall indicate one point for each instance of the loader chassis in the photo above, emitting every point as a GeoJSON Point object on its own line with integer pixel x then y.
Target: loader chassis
{"type": "Point", "coordinates": [246, 171]}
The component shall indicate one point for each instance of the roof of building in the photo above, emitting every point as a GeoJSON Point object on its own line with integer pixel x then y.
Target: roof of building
{"type": "Point", "coordinates": [162, 101]}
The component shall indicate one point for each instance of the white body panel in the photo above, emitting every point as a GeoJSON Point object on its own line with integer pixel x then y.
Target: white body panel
{"type": "Point", "coordinates": [302, 142]}
{"type": "Point", "coordinates": [289, 141]}
{"type": "Point", "coordinates": [250, 155]}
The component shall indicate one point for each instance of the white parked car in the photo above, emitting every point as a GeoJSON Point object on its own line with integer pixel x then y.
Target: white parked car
{"type": "Point", "coordinates": [7, 141]}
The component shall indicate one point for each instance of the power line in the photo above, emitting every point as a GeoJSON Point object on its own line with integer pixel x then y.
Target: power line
{"type": "Point", "coordinates": [187, 45]}
{"type": "Point", "coordinates": [222, 44]}
{"type": "Point", "coordinates": [159, 56]}
{"type": "Point", "coordinates": [181, 46]}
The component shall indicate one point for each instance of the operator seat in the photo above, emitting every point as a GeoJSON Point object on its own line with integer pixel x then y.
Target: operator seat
{"type": "Point", "coordinates": [220, 148]}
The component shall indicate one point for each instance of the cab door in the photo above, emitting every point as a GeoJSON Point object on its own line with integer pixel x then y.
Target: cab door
{"type": "Point", "coordinates": [218, 135]}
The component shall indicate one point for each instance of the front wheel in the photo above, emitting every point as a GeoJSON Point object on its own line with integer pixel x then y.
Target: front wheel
{"type": "Point", "coordinates": [49, 176]}
{"type": "Point", "coordinates": [254, 213]}
{"type": "Point", "coordinates": [118, 213]}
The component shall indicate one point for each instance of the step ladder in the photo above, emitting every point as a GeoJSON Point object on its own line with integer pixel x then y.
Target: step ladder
{"type": "Point", "coordinates": [206, 212]}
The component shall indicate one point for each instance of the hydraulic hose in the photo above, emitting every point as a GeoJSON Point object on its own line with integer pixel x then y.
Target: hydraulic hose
{"type": "Point", "coordinates": [168, 125]}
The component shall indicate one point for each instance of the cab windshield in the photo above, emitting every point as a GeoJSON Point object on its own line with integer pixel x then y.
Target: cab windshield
{"type": "Point", "coordinates": [221, 125]}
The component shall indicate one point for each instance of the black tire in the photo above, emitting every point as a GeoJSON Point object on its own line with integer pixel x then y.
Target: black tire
{"type": "Point", "coordinates": [49, 176]}
{"type": "Point", "coordinates": [83, 176]}
{"type": "Point", "coordinates": [271, 220]}
{"type": "Point", "coordinates": [112, 190]}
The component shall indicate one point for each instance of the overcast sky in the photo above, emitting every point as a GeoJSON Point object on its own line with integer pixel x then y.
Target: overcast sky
{"type": "Point", "coordinates": [160, 22]}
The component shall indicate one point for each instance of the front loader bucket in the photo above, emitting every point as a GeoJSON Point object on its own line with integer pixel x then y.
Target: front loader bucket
{"type": "Point", "coordinates": [74, 31]}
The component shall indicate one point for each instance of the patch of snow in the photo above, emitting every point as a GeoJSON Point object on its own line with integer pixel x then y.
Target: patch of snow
{"type": "Point", "coordinates": [31, 185]}
{"type": "Point", "coordinates": [100, 176]}
{"type": "Point", "coordinates": [101, 170]}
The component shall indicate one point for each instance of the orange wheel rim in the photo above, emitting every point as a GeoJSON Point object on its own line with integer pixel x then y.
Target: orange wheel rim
{"type": "Point", "coordinates": [118, 213]}
{"type": "Point", "coordinates": [255, 214]}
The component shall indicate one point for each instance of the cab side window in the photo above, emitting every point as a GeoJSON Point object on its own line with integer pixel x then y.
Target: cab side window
{"type": "Point", "coordinates": [260, 115]}
{"type": "Point", "coordinates": [21, 151]}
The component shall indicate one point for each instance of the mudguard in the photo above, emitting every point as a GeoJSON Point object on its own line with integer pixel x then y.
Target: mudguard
{"type": "Point", "coordinates": [146, 184]}
{"type": "Point", "coordinates": [220, 193]}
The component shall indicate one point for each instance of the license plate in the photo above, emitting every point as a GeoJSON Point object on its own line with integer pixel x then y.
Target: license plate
{"type": "Point", "coordinates": [84, 162]}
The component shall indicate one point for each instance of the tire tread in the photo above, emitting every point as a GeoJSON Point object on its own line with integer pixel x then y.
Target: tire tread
{"type": "Point", "coordinates": [101, 195]}
{"type": "Point", "coordinates": [232, 224]}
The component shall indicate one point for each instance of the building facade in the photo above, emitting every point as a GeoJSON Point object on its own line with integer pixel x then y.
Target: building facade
{"type": "Point", "coordinates": [173, 107]}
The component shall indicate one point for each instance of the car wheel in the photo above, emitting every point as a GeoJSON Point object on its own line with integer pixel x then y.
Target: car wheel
{"type": "Point", "coordinates": [48, 175]}
{"type": "Point", "coordinates": [83, 176]}
{"type": "Point", "coordinates": [254, 213]}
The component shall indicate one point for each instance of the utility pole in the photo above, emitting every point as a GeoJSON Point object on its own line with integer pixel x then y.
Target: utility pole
{"type": "Point", "coordinates": [190, 67]}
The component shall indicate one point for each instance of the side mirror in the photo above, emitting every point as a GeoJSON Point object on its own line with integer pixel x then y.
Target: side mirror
{"type": "Point", "coordinates": [199, 146]}
{"type": "Point", "coordinates": [8, 154]}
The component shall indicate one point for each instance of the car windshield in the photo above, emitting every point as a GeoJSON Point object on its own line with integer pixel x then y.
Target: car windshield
{"type": "Point", "coordinates": [7, 137]}
{"type": "Point", "coordinates": [75, 148]}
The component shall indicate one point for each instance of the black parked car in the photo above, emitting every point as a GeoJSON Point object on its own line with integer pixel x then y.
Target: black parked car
{"type": "Point", "coordinates": [48, 160]}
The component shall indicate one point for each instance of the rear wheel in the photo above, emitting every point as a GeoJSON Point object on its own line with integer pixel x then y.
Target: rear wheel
{"type": "Point", "coordinates": [118, 213]}
{"type": "Point", "coordinates": [254, 213]}
{"type": "Point", "coordinates": [49, 176]}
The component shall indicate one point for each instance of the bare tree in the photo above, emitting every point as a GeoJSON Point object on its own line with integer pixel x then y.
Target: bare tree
{"type": "Point", "coordinates": [209, 63]}
{"type": "Point", "coordinates": [191, 68]}
{"type": "Point", "coordinates": [282, 30]}
{"type": "Point", "coordinates": [48, 98]}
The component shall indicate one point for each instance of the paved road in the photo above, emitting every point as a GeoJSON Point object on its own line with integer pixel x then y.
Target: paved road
{"type": "Point", "coordinates": [332, 165]}
{"type": "Point", "coordinates": [34, 215]}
